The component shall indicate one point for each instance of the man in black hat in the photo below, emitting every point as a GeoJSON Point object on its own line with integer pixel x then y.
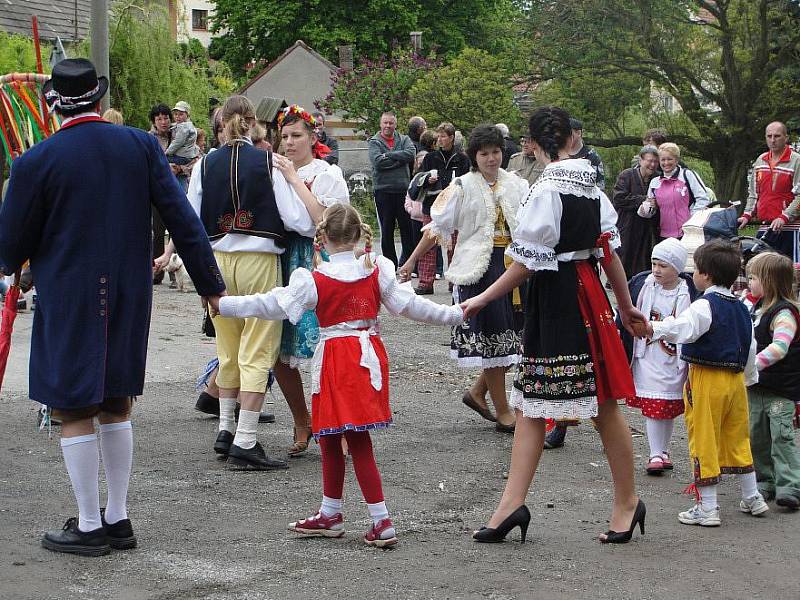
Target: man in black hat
{"type": "Point", "coordinates": [580, 150]}
{"type": "Point", "coordinates": [79, 207]}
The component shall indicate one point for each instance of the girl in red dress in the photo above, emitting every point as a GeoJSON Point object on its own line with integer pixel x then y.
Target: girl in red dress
{"type": "Point", "coordinates": [350, 372]}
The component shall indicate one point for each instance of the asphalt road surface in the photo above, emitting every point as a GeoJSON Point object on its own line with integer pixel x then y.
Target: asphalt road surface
{"type": "Point", "coordinates": [207, 532]}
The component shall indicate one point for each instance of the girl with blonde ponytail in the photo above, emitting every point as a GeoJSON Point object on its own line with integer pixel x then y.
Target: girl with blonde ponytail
{"type": "Point", "coordinates": [350, 370]}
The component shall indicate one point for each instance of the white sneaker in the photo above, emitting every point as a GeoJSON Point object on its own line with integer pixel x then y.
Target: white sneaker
{"type": "Point", "coordinates": [755, 505]}
{"type": "Point", "coordinates": [697, 515]}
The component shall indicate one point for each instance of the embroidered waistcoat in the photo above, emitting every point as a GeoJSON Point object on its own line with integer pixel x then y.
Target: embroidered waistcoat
{"type": "Point", "coordinates": [476, 226]}
{"type": "Point", "coordinates": [237, 194]}
{"type": "Point", "coordinates": [726, 344]}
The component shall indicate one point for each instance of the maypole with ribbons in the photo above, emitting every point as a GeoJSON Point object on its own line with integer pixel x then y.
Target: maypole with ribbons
{"type": "Point", "coordinates": [24, 119]}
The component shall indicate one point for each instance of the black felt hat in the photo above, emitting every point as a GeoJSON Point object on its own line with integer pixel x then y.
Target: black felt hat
{"type": "Point", "coordinates": [74, 86]}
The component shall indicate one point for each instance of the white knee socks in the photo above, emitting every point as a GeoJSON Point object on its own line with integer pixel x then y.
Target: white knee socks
{"type": "Point", "coordinates": [116, 446]}
{"type": "Point", "coordinates": [246, 431]}
{"type": "Point", "coordinates": [659, 433]}
{"type": "Point", "coordinates": [748, 483]}
{"type": "Point", "coordinates": [227, 414]}
{"type": "Point", "coordinates": [83, 463]}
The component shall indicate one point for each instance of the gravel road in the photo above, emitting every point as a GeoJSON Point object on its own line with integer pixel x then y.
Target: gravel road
{"type": "Point", "coordinates": [207, 532]}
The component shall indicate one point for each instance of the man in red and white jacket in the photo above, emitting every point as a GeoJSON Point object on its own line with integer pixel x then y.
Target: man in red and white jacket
{"type": "Point", "coordinates": [775, 193]}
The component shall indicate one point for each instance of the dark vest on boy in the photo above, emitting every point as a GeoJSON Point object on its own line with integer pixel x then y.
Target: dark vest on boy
{"type": "Point", "coordinates": [726, 345]}
{"type": "Point", "coordinates": [237, 194]}
{"type": "Point", "coordinates": [783, 377]}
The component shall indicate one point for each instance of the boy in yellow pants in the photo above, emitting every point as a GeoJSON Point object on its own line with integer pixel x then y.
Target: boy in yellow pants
{"type": "Point", "coordinates": [716, 337]}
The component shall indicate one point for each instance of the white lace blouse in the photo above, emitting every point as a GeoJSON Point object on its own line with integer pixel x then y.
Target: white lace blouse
{"type": "Point", "coordinates": [539, 218]}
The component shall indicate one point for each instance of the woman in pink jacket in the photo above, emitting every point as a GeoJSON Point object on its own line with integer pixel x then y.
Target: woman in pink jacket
{"type": "Point", "coordinates": [676, 194]}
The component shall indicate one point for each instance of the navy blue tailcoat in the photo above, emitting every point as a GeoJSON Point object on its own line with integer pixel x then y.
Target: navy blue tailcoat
{"type": "Point", "coordinates": [78, 206]}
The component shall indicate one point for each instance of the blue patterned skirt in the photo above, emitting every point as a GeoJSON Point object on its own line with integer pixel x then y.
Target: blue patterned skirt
{"type": "Point", "coordinates": [298, 341]}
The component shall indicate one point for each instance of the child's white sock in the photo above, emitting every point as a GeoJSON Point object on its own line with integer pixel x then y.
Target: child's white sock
{"type": "Point", "coordinates": [116, 445]}
{"type": "Point", "coordinates": [83, 464]}
{"type": "Point", "coordinates": [659, 432]}
{"type": "Point", "coordinates": [246, 431]}
{"type": "Point", "coordinates": [708, 496]}
{"type": "Point", "coordinates": [378, 512]}
{"type": "Point", "coordinates": [330, 506]}
{"type": "Point", "coordinates": [227, 414]}
{"type": "Point", "coordinates": [749, 484]}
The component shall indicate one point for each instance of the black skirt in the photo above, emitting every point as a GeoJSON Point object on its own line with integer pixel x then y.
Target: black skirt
{"type": "Point", "coordinates": [492, 337]}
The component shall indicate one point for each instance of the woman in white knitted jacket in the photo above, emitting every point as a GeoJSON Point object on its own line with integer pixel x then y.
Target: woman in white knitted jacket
{"type": "Point", "coordinates": [482, 207]}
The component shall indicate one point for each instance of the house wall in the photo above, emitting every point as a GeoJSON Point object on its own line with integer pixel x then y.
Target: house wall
{"type": "Point", "coordinates": [299, 77]}
{"type": "Point", "coordinates": [185, 30]}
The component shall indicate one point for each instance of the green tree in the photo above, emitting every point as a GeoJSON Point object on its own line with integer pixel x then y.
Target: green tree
{"type": "Point", "coordinates": [17, 54]}
{"type": "Point", "coordinates": [148, 67]}
{"type": "Point", "coordinates": [375, 86]}
{"type": "Point", "coordinates": [261, 31]}
{"type": "Point", "coordinates": [473, 88]}
{"type": "Point", "coordinates": [728, 63]}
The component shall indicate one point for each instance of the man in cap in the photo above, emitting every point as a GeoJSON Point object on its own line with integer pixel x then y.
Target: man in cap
{"type": "Point", "coordinates": [79, 207]}
{"type": "Point", "coordinates": [580, 150]}
{"type": "Point", "coordinates": [524, 163]}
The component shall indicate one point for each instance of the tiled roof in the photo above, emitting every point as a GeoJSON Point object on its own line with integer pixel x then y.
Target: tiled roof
{"type": "Point", "coordinates": [56, 17]}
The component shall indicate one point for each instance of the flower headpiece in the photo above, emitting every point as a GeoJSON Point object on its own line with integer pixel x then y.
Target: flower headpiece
{"type": "Point", "coordinates": [295, 109]}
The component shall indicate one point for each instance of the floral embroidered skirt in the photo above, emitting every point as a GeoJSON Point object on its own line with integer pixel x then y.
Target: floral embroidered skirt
{"type": "Point", "coordinates": [298, 341]}
{"type": "Point", "coordinates": [492, 337]}
{"type": "Point", "coordinates": [573, 357]}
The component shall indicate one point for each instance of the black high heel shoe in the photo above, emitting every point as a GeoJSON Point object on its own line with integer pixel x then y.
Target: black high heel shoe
{"type": "Point", "coordinates": [623, 537]}
{"type": "Point", "coordinates": [520, 517]}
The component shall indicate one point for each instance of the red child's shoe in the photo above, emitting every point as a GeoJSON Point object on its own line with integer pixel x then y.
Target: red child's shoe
{"type": "Point", "coordinates": [381, 535]}
{"type": "Point", "coordinates": [667, 462]}
{"type": "Point", "coordinates": [320, 525]}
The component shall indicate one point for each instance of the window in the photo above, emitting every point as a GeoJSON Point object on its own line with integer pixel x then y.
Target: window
{"type": "Point", "coordinates": [200, 20]}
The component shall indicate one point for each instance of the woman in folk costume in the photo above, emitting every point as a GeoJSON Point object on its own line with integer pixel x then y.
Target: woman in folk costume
{"type": "Point", "coordinates": [320, 185]}
{"type": "Point", "coordinates": [573, 363]}
{"type": "Point", "coordinates": [658, 373]}
{"type": "Point", "coordinates": [350, 371]}
{"type": "Point", "coordinates": [248, 209]}
{"type": "Point", "coordinates": [482, 206]}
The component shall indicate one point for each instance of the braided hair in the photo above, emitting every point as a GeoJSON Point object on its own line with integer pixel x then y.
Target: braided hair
{"type": "Point", "coordinates": [342, 224]}
{"type": "Point", "coordinates": [550, 129]}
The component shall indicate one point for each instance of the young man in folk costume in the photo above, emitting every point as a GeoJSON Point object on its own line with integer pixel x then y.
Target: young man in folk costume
{"type": "Point", "coordinates": [79, 207]}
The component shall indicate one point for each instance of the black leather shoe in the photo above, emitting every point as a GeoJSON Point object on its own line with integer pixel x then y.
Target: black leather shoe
{"type": "Point", "coordinates": [223, 443]}
{"type": "Point", "coordinates": [120, 534]}
{"type": "Point", "coordinates": [72, 540]}
{"type": "Point", "coordinates": [266, 417]}
{"type": "Point", "coordinates": [253, 458]}
{"type": "Point", "coordinates": [206, 403]}
{"type": "Point", "coordinates": [423, 291]}
{"type": "Point", "coordinates": [789, 501]}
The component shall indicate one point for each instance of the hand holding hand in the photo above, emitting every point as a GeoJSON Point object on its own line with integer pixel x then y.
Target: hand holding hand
{"type": "Point", "coordinates": [404, 272]}
{"type": "Point", "coordinates": [473, 306]}
{"type": "Point", "coordinates": [634, 321]}
{"type": "Point", "coordinates": [777, 224]}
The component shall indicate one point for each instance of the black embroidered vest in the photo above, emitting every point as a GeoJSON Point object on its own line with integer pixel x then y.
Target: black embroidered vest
{"type": "Point", "coordinates": [726, 345]}
{"type": "Point", "coordinates": [237, 194]}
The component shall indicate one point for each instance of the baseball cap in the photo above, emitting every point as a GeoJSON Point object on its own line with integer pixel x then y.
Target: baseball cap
{"type": "Point", "coordinates": [182, 106]}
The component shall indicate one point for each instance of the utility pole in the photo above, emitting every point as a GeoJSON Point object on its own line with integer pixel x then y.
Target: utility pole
{"type": "Point", "coordinates": [99, 29]}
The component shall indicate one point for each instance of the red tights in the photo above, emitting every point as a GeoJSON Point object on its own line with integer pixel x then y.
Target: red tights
{"type": "Point", "coordinates": [360, 446]}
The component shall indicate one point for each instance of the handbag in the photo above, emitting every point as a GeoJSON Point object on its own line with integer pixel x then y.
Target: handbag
{"type": "Point", "coordinates": [414, 208]}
